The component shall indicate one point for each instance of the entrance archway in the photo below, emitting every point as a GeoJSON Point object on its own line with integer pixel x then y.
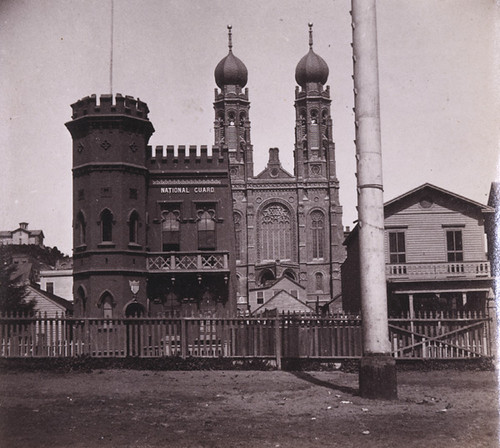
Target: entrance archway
{"type": "Point", "coordinates": [134, 345]}
{"type": "Point", "coordinates": [134, 309]}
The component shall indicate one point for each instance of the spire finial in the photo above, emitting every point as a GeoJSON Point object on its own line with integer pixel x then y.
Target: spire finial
{"type": "Point", "coordinates": [230, 37]}
{"type": "Point", "coordinates": [310, 35]}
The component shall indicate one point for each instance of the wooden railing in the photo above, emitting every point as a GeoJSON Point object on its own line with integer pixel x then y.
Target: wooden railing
{"type": "Point", "coordinates": [188, 262]}
{"type": "Point", "coordinates": [421, 271]}
{"type": "Point", "coordinates": [285, 336]}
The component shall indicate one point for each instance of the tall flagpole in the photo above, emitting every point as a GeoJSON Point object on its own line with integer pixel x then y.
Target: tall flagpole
{"type": "Point", "coordinates": [111, 51]}
{"type": "Point", "coordinates": [377, 374]}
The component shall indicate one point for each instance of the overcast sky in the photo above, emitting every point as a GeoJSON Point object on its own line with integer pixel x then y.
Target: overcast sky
{"type": "Point", "coordinates": [437, 66]}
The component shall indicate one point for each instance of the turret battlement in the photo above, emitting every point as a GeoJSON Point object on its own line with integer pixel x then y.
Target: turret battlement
{"type": "Point", "coordinates": [185, 157]}
{"type": "Point", "coordinates": [122, 105]}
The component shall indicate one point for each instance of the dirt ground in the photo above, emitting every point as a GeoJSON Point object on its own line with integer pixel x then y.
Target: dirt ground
{"type": "Point", "coordinates": [130, 408]}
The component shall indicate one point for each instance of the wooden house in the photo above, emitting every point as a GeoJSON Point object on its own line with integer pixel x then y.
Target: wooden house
{"type": "Point", "coordinates": [435, 254]}
{"type": "Point", "coordinates": [282, 295]}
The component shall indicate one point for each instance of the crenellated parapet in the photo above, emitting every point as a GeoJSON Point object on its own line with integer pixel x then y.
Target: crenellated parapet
{"type": "Point", "coordinates": [109, 105]}
{"type": "Point", "coordinates": [187, 157]}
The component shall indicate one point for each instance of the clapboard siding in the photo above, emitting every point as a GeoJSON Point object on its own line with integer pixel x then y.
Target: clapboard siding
{"type": "Point", "coordinates": [425, 235]}
{"type": "Point", "coordinates": [44, 305]}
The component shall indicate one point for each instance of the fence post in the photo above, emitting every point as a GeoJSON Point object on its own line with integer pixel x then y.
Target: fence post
{"type": "Point", "coordinates": [277, 341]}
{"type": "Point", "coordinates": [184, 337]}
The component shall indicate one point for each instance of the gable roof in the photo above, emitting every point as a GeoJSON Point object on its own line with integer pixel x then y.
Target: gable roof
{"type": "Point", "coordinates": [34, 291]}
{"type": "Point", "coordinates": [268, 305]}
{"type": "Point", "coordinates": [469, 202]}
{"type": "Point", "coordinates": [275, 282]}
{"type": "Point", "coordinates": [279, 175]}
{"type": "Point", "coordinates": [393, 203]}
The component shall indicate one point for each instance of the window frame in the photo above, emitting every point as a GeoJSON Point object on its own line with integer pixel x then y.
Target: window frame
{"type": "Point", "coordinates": [454, 254]}
{"type": "Point", "coordinates": [206, 227]}
{"type": "Point", "coordinates": [398, 255]}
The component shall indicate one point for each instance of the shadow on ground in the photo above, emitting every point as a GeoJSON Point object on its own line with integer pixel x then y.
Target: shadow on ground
{"type": "Point", "coordinates": [311, 379]}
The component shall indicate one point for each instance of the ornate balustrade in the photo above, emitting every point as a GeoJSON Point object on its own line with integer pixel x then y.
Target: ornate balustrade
{"type": "Point", "coordinates": [423, 271]}
{"type": "Point", "coordinates": [188, 262]}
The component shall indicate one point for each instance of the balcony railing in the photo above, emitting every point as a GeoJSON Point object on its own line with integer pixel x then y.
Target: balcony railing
{"type": "Point", "coordinates": [188, 262]}
{"type": "Point", "coordinates": [423, 271]}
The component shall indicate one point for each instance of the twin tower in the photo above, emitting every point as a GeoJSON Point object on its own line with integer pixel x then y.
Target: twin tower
{"type": "Point", "coordinates": [167, 232]}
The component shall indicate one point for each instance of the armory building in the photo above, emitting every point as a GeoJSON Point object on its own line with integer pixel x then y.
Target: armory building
{"type": "Point", "coordinates": [168, 231]}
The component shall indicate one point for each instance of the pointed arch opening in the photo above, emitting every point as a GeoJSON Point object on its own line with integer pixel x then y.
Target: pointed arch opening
{"type": "Point", "coordinates": [237, 218]}
{"type": "Point", "coordinates": [267, 276]}
{"type": "Point", "coordinates": [81, 229]}
{"type": "Point", "coordinates": [133, 227]}
{"type": "Point", "coordinates": [276, 240]}
{"type": "Point", "coordinates": [318, 282]}
{"type": "Point", "coordinates": [106, 220]}
{"type": "Point", "coordinates": [106, 303]}
{"type": "Point", "coordinates": [170, 230]}
{"type": "Point", "coordinates": [81, 300]}
{"type": "Point", "coordinates": [206, 229]}
{"type": "Point", "coordinates": [317, 220]}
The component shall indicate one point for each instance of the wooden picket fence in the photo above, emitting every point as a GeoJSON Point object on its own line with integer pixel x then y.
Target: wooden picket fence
{"type": "Point", "coordinates": [431, 336]}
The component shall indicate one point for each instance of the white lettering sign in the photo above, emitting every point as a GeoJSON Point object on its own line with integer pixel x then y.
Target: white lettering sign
{"type": "Point", "coordinates": [187, 190]}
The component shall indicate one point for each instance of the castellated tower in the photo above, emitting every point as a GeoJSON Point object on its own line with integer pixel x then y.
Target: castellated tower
{"type": "Point", "coordinates": [109, 204]}
{"type": "Point", "coordinates": [153, 227]}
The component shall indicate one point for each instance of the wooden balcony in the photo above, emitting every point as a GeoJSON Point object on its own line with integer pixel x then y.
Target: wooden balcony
{"type": "Point", "coordinates": [186, 262]}
{"type": "Point", "coordinates": [438, 271]}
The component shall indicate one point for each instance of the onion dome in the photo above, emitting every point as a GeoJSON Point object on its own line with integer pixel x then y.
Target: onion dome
{"type": "Point", "coordinates": [230, 70]}
{"type": "Point", "coordinates": [311, 68]}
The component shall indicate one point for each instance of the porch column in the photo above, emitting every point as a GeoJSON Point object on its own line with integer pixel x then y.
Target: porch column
{"type": "Point", "coordinates": [377, 373]}
{"type": "Point", "coordinates": [464, 298]}
{"type": "Point", "coordinates": [411, 306]}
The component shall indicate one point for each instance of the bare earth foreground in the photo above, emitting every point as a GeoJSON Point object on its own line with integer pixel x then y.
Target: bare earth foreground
{"type": "Point", "coordinates": [129, 408]}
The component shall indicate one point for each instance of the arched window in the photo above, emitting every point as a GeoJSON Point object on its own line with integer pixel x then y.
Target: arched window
{"type": "Point", "coordinates": [107, 305]}
{"type": "Point", "coordinates": [318, 234]}
{"type": "Point", "coordinates": [318, 281]}
{"type": "Point", "coordinates": [289, 274]}
{"type": "Point", "coordinates": [170, 230]}
{"type": "Point", "coordinates": [133, 227]}
{"type": "Point", "coordinates": [237, 232]}
{"type": "Point", "coordinates": [314, 116]}
{"type": "Point", "coordinates": [106, 225]}
{"type": "Point", "coordinates": [206, 229]}
{"type": "Point", "coordinates": [266, 277]}
{"type": "Point", "coordinates": [275, 233]}
{"type": "Point", "coordinates": [81, 300]}
{"type": "Point", "coordinates": [81, 229]}
{"type": "Point", "coordinates": [324, 117]}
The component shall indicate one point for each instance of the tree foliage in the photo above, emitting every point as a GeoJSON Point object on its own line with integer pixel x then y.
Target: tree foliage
{"type": "Point", "coordinates": [12, 292]}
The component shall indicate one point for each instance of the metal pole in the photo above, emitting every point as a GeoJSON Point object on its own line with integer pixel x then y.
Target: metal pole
{"type": "Point", "coordinates": [377, 377]}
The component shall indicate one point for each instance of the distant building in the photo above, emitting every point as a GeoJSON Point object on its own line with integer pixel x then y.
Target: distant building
{"type": "Point", "coordinates": [435, 254]}
{"type": "Point", "coordinates": [22, 235]}
{"type": "Point", "coordinates": [58, 281]}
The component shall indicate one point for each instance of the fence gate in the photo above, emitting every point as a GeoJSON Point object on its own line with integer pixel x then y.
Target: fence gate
{"type": "Point", "coordinates": [438, 335]}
